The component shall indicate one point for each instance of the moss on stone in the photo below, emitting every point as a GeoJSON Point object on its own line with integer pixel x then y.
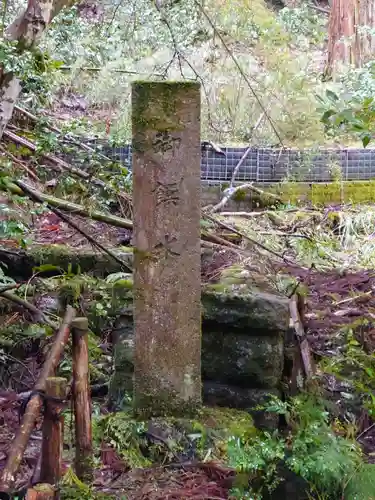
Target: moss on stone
{"type": "Point", "coordinates": [240, 195]}
{"type": "Point", "coordinates": [58, 259]}
{"type": "Point", "coordinates": [232, 422]}
{"type": "Point", "coordinates": [154, 107]}
{"type": "Point", "coordinates": [322, 193]}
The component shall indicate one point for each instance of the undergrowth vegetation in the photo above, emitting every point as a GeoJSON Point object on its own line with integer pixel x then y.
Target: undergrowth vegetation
{"type": "Point", "coordinates": [309, 448]}
{"type": "Point", "coordinates": [87, 61]}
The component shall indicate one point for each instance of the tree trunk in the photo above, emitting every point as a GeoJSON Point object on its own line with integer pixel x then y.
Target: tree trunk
{"type": "Point", "coordinates": [350, 40]}
{"type": "Point", "coordinates": [27, 29]}
{"type": "Point", "coordinates": [10, 89]}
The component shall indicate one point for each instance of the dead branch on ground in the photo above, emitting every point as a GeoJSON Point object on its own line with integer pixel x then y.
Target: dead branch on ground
{"type": "Point", "coordinates": [34, 196]}
{"type": "Point", "coordinates": [35, 403]}
{"type": "Point", "coordinates": [299, 329]}
{"type": "Point", "coordinates": [246, 237]}
{"type": "Point", "coordinates": [39, 315]}
{"type": "Point", "coordinates": [231, 191]}
{"type": "Point", "coordinates": [66, 206]}
{"type": "Point", "coordinates": [19, 163]}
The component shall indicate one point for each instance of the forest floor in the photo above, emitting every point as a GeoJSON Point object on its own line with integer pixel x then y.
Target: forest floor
{"type": "Point", "coordinates": [338, 297]}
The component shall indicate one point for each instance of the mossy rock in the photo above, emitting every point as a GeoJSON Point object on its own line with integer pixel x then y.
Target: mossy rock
{"type": "Point", "coordinates": [254, 362]}
{"type": "Point", "coordinates": [57, 259]}
{"type": "Point", "coordinates": [258, 312]}
{"type": "Point", "coordinates": [249, 400]}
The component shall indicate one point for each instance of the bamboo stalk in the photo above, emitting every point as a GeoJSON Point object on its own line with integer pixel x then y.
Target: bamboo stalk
{"type": "Point", "coordinates": [34, 405]}
{"type": "Point", "coordinates": [53, 425]}
{"type": "Point", "coordinates": [82, 400]}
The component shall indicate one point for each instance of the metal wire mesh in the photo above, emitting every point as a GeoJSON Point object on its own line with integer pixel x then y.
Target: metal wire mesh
{"type": "Point", "coordinates": [275, 165]}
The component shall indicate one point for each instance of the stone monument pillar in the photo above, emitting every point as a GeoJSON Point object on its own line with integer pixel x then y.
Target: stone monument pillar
{"type": "Point", "coordinates": [167, 284]}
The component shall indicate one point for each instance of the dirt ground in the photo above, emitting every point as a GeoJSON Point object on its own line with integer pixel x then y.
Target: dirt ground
{"type": "Point", "coordinates": [334, 300]}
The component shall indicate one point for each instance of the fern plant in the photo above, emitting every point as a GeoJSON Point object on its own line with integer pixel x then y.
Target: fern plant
{"type": "Point", "coordinates": [310, 449]}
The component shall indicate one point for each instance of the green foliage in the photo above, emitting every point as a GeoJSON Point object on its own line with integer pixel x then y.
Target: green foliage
{"type": "Point", "coordinates": [4, 279]}
{"type": "Point", "coordinates": [11, 227]}
{"type": "Point", "coordinates": [355, 116]}
{"type": "Point", "coordinates": [354, 365]}
{"type": "Point", "coordinates": [259, 459]}
{"type": "Point", "coordinates": [125, 434]}
{"type": "Point", "coordinates": [71, 488]}
{"type": "Point", "coordinates": [13, 61]}
{"type": "Point", "coordinates": [311, 450]}
{"type": "Point", "coordinates": [361, 485]}
{"type": "Point", "coordinates": [304, 22]}
{"type": "Point", "coordinates": [186, 47]}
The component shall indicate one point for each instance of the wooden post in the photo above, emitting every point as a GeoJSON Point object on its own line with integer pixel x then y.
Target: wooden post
{"type": "Point", "coordinates": [82, 400]}
{"type": "Point", "coordinates": [167, 284]}
{"type": "Point", "coordinates": [41, 492]}
{"type": "Point", "coordinates": [35, 404]}
{"type": "Point", "coordinates": [53, 425]}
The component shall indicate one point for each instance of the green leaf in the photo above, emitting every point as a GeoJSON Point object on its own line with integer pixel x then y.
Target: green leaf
{"type": "Point", "coordinates": [327, 115]}
{"type": "Point", "coordinates": [366, 140]}
{"type": "Point", "coordinates": [332, 96]}
{"type": "Point", "coordinates": [46, 268]}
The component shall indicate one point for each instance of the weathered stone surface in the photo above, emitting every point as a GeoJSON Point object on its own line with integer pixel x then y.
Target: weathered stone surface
{"type": "Point", "coordinates": [260, 313]}
{"type": "Point", "coordinates": [240, 365]}
{"type": "Point", "coordinates": [215, 394]}
{"type": "Point", "coordinates": [242, 359]}
{"type": "Point", "coordinates": [167, 257]}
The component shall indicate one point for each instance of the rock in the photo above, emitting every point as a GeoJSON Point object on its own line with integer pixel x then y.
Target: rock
{"type": "Point", "coordinates": [242, 351]}
{"type": "Point", "coordinates": [242, 359]}
{"type": "Point", "coordinates": [215, 394]}
{"type": "Point", "coordinates": [59, 258]}
{"type": "Point", "coordinates": [259, 312]}
{"type": "Point", "coordinates": [292, 486]}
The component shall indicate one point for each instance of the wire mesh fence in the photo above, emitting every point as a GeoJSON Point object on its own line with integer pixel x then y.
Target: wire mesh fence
{"type": "Point", "coordinates": [274, 165]}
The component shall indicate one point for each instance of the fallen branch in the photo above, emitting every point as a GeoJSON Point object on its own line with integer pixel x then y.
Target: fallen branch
{"type": "Point", "coordinates": [244, 215]}
{"type": "Point", "coordinates": [231, 191]}
{"type": "Point", "coordinates": [66, 206]}
{"type": "Point", "coordinates": [244, 156]}
{"type": "Point", "coordinates": [213, 238]}
{"type": "Point", "coordinates": [243, 235]}
{"type": "Point", "coordinates": [80, 144]}
{"type": "Point", "coordinates": [352, 299]}
{"type": "Point", "coordinates": [11, 286]}
{"type": "Point", "coordinates": [301, 337]}
{"type": "Point", "coordinates": [286, 235]}
{"type": "Point", "coordinates": [40, 316]}
{"type": "Point", "coordinates": [319, 8]}
{"type": "Point", "coordinates": [60, 164]}
{"type": "Point", "coordinates": [20, 163]}
{"type": "Point", "coordinates": [34, 196]}
{"type": "Point", "coordinates": [239, 164]}
{"type": "Point", "coordinates": [35, 404]}
{"type": "Point", "coordinates": [115, 70]}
